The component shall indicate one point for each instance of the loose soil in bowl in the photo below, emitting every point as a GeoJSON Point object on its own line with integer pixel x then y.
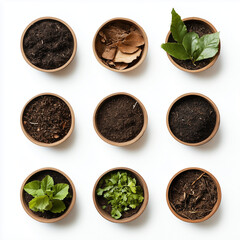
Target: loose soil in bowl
{"type": "Point", "coordinates": [103, 201]}
{"type": "Point", "coordinates": [119, 118]}
{"type": "Point", "coordinates": [47, 119]}
{"type": "Point", "coordinates": [192, 119]}
{"type": "Point", "coordinates": [48, 44]}
{"type": "Point", "coordinates": [201, 29]}
{"type": "Point", "coordinates": [119, 44]}
{"type": "Point", "coordinates": [193, 194]}
{"type": "Point", "coordinates": [57, 178]}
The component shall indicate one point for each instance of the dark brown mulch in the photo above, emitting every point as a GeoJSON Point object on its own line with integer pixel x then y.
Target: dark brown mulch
{"type": "Point", "coordinates": [193, 194]}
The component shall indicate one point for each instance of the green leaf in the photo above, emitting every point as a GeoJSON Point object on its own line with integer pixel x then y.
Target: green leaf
{"type": "Point", "coordinates": [120, 191]}
{"type": "Point", "coordinates": [39, 203]}
{"type": "Point", "coordinates": [132, 186]}
{"type": "Point", "coordinates": [57, 206]}
{"type": "Point", "coordinates": [209, 46]}
{"type": "Point", "coordinates": [176, 50]}
{"type": "Point", "coordinates": [34, 188]}
{"type": "Point", "coordinates": [115, 213]}
{"type": "Point", "coordinates": [178, 28]}
{"type": "Point", "coordinates": [191, 44]}
{"type": "Point", "coordinates": [60, 191]}
{"type": "Point", "coordinates": [47, 183]}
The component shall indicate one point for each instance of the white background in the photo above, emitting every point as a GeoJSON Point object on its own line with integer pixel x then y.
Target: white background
{"type": "Point", "coordinates": [157, 156]}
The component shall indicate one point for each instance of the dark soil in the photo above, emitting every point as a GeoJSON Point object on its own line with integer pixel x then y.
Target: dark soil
{"type": "Point", "coordinates": [48, 44]}
{"type": "Point", "coordinates": [47, 119]}
{"type": "Point", "coordinates": [120, 118]}
{"type": "Point", "coordinates": [192, 119]}
{"type": "Point", "coordinates": [201, 29]}
{"type": "Point", "coordinates": [57, 178]}
{"type": "Point", "coordinates": [103, 202]}
{"type": "Point", "coordinates": [193, 194]}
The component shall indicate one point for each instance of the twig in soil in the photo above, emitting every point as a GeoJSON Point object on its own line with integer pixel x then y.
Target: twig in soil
{"type": "Point", "coordinates": [33, 123]}
{"type": "Point", "coordinates": [135, 105]}
{"type": "Point", "coordinates": [197, 179]}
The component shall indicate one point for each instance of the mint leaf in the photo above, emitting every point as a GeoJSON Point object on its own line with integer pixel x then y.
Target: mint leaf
{"type": "Point", "coordinates": [60, 191]}
{"type": "Point", "coordinates": [209, 46]}
{"type": "Point", "coordinates": [47, 183]}
{"type": "Point", "coordinates": [34, 188]}
{"type": "Point", "coordinates": [39, 203]}
{"type": "Point", "coordinates": [58, 206]}
{"type": "Point", "coordinates": [175, 50]}
{"type": "Point", "coordinates": [178, 28]}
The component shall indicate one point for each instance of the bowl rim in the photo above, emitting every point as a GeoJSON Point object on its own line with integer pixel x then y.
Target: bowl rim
{"type": "Point", "coordinates": [121, 144]}
{"type": "Point", "coordinates": [57, 142]}
{"type": "Point", "coordinates": [31, 213]}
{"type": "Point", "coordinates": [216, 206]}
{"type": "Point", "coordinates": [214, 59]}
{"type": "Point", "coordinates": [143, 185]}
{"type": "Point", "coordinates": [143, 54]}
{"type": "Point", "coordinates": [74, 44]}
{"type": "Point", "coordinates": [216, 127]}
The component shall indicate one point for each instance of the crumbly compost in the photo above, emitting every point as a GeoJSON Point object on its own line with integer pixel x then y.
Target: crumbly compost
{"type": "Point", "coordinates": [47, 119]}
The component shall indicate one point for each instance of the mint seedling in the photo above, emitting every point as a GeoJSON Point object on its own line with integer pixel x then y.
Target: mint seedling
{"type": "Point", "coordinates": [121, 191]}
{"type": "Point", "coordinates": [188, 45]}
{"type": "Point", "coordinates": [47, 196]}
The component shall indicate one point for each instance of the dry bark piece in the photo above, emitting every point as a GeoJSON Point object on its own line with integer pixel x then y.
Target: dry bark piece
{"type": "Point", "coordinates": [126, 58]}
{"type": "Point", "coordinates": [127, 48]}
{"type": "Point", "coordinates": [134, 39]}
{"type": "Point", "coordinates": [115, 33]}
{"type": "Point", "coordinates": [109, 53]}
{"type": "Point", "coordinates": [121, 66]}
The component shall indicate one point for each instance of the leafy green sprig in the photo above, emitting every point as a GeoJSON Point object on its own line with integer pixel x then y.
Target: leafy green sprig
{"type": "Point", "coordinates": [188, 45]}
{"type": "Point", "coordinates": [47, 196]}
{"type": "Point", "coordinates": [121, 191]}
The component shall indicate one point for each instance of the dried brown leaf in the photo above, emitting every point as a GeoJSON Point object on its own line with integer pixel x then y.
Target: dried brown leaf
{"type": "Point", "coordinates": [121, 66]}
{"type": "Point", "coordinates": [134, 39]}
{"type": "Point", "coordinates": [126, 58]}
{"type": "Point", "coordinates": [115, 34]}
{"type": "Point", "coordinates": [109, 53]}
{"type": "Point", "coordinates": [126, 48]}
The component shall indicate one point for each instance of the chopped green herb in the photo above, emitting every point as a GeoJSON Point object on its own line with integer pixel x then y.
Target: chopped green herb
{"type": "Point", "coordinates": [188, 45]}
{"type": "Point", "coordinates": [121, 191]}
{"type": "Point", "coordinates": [47, 196]}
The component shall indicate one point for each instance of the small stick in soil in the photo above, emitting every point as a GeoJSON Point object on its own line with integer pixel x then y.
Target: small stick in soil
{"type": "Point", "coordinates": [135, 105]}
{"type": "Point", "coordinates": [33, 123]}
{"type": "Point", "coordinates": [197, 179]}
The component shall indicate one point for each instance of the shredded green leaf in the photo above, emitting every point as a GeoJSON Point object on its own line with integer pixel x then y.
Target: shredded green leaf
{"type": "Point", "coordinates": [121, 191]}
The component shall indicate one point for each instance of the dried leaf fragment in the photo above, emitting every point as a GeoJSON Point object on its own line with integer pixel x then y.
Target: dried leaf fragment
{"type": "Point", "coordinates": [121, 66]}
{"type": "Point", "coordinates": [127, 48]}
{"type": "Point", "coordinates": [126, 58]}
{"type": "Point", "coordinates": [134, 39]}
{"type": "Point", "coordinates": [109, 53]}
{"type": "Point", "coordinates": [103, 37]}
